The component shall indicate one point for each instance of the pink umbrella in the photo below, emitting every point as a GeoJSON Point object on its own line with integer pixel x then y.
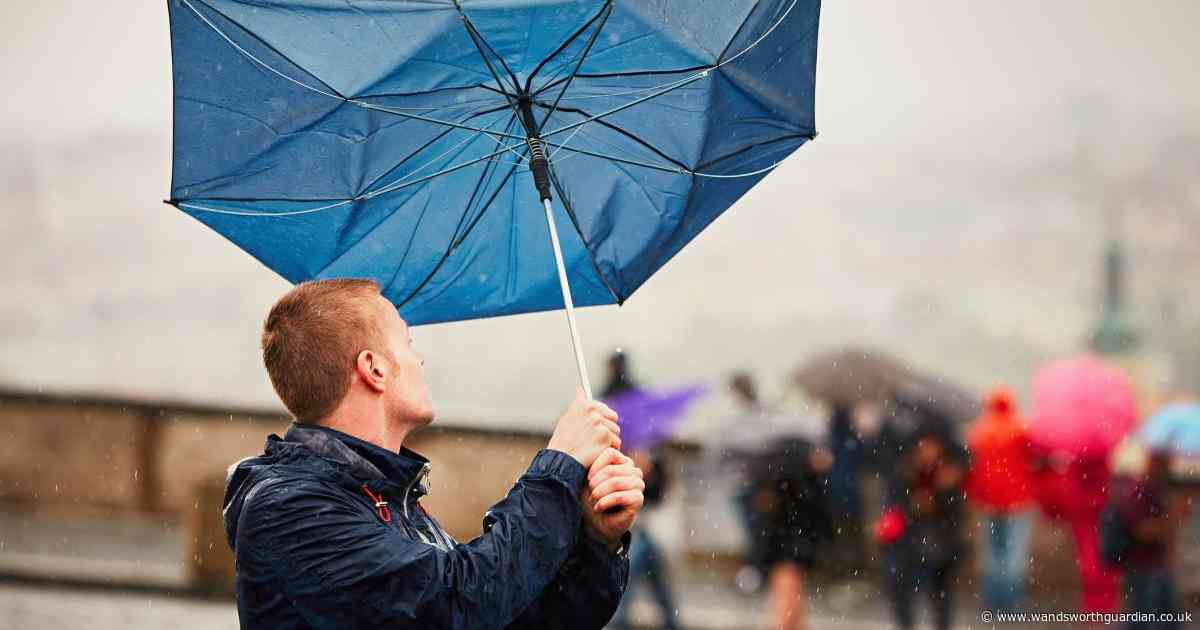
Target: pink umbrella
{"type": "Point", "coordinates": [1082, 406]}
{"type": "Point", "coordinates": [1082, 409]}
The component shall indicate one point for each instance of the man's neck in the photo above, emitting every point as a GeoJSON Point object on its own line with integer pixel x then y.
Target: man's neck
{"type": "Point", "coordinates": [377, 431]}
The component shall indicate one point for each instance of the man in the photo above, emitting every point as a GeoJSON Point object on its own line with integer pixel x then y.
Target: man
{"type": "Point", "coordinates": [326, 525]}
{"type": "Point", "coordinates": [920, 532]}
{"type": "Point", "coordinates": [998, 483]}
{"type": "Point", "coordinates": [1142, 509]}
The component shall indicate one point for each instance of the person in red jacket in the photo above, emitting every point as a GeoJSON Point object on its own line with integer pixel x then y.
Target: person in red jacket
{"type": "Point", "coordinates": [999, 484]}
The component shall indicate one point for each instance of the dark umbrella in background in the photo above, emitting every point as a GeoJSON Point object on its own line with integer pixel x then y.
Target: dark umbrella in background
{"type": "Point", "coordinates": [851, 376]}
{"type": "Point", "coordinates": [859, 375]}
{"type": "Point", "coordinates": [956, 404]}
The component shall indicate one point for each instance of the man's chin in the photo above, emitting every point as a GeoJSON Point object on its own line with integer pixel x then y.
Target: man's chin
{"type": "Point", "coordinates": [416, 416]}
{"type": "Point", "coordinates": [425, 416]}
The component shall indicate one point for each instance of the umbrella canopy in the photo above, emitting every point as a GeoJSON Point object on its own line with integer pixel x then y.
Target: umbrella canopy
{"type": "Point", "coordinates": [1081, 406]}
{"type": "Point", "coordinates": [394, 140]}
{"type": "Point", "coordinates": [939, 398]}
{"type": "Point", "coordinates": [1176, 428]}
{"type": "Point", "coordinates": [649, 418]}
{"type": "Point", "coordinates": [851, 376]}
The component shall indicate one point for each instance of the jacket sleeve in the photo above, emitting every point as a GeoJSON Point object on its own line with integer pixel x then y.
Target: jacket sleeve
{"type": "Point", "coordinates": [585, 593]}
{"type": "Point", "coordinates": [341, 567]}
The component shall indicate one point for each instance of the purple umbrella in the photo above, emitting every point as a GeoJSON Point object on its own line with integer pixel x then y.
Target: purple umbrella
{"type": "Point", "coordinates": [648, 418]}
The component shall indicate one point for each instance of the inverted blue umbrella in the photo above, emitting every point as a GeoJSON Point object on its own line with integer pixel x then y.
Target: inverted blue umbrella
{"type": "Point", "coordinates": [410, 141]}
{"type": "Point", "coordinates": [1175, 427]}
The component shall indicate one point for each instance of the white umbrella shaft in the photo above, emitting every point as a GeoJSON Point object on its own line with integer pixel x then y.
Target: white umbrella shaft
{"type": "Point", "coordinates": [568, 303]}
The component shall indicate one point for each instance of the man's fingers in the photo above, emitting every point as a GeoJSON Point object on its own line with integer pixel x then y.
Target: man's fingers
{"type": "Point", "coordinates": [621, 500]}
{"type": "Point", "coordinates": [602, 473]}
{"type": "Point", "coordinates": [611, 457]}
{"type": "Point", "coordinates": [603, 410]}
{"type": "Point", "coordinates": [612, 426]}
{"type": "Point", "coordinates": [617, 484]}
{"type": "Point", "coordinates": [608, 457]}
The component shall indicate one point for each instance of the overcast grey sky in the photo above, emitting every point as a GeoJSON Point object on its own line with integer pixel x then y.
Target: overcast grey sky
{"type": "Point", "coordinates": [943, 213]}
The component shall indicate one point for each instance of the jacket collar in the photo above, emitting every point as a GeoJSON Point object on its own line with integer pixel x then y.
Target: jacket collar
{"type": "Point", "coordinates": [366, 462]}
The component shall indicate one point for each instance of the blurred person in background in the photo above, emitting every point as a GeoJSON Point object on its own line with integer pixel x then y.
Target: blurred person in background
{"type": "Point", "coordinates": [845, 490]}
{"type": "Point", "coordinates": [739, 459]}
{"type": "Point", "coordinates": [646, 563]}
{"type": "Point", "coordinates": [920, 530]}
{"type": "Point", "coordinates": [1138, 530]}
{"type": "Point", "coordinates": [790, 523]}
{"type": "Point", "coordinates": [782, 499]}
{"type": "Point", "coordinates": [998, 484]}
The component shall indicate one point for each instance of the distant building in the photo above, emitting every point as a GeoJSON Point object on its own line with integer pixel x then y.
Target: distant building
{"type": "Point", "coordinates": [1116, 337]}
{"type": "Point", "coordinates": [1115, 334]}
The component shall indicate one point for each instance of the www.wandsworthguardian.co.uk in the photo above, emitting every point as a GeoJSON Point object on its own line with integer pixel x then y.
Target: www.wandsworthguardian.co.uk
{"type": "Point", "coordinates": [991, 617]}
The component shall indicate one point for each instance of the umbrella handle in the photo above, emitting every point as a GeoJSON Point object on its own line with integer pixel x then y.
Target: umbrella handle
{"type": "Point", "coordinates": [568, 303]}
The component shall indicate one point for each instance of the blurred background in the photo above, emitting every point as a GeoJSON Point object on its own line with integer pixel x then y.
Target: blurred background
{"type": "Point", "coordinates": [995, 186]}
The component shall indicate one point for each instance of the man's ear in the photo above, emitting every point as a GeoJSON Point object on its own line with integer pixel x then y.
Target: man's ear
{"type": "Point", "coordinates": [372, 370]}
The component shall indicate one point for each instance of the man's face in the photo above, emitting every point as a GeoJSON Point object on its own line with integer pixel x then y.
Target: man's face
{"type": "Point", "coordinates": [408, 395]}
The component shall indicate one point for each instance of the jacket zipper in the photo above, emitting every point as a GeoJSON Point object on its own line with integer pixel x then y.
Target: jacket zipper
{"type": "Point", "coordinates": [440, 539]}
{"type": "Point", "coordinates": [425, 468]}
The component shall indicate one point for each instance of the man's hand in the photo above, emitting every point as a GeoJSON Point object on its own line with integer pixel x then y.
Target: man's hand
{"type": "Point", "coordinates": [586, 429]}
{"type": "Point", "coordinates": [612, 498]}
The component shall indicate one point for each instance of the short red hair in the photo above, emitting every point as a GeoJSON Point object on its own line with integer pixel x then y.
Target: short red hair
{"type": "Point", "coordinates": [311, 341]}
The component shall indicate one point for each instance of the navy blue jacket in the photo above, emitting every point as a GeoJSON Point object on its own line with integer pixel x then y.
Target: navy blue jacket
{"type": "Point", "coordinates": [327, 532]}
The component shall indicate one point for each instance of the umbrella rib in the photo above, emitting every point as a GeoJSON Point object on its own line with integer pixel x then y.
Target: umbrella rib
{"type": "Point", "coordinates": [393, 185]}
{"type": "Point", "coordinates": [446, 123]}
{"type": "Point", "coordinates": [739, 30]}
{"type": "Point", "coordinates": [471, 30]}
{"type": "Point", "coordinates": [445, 171]}
{"type": "Point", "coordinates": [627, 134]}
{"type": "Point", "coordinates": [454, 238]}
{"type": "Point", "coordinates": [479, 184]}
{"type": "Point", "coordinates": [482, 211]}
{"type": "Point", "coordinates": [563, 46]}
{"type": "Point", "coordinates": [606, 12]}
{"type": "Point", "coordinates": [424, 146]}
{"type": "Point", "coordinates": [566, 202]}
{"type": "Point", "coordinates": [247, 213]}
{"type": "Point", "coordinates": [388, 189]}
{"type": "Point", "coordinates": [736, 152]}
{"type": "Point", "coordinates": [333, 93]}
{"type": "Point", "coordinates": [365, 234]}
{"type": "Point", "coordinates": [673, 85]}
{"type": "Point", "coordinates": [631, 73]}
{"type": "Point", "coordinates": [563, 147]}
{"type": "Point", "coordinates": [477, 39]}
{"type": "Point", "coordinates": [453, 246]}
{"type": "Point", "coordinates": [670, 87]}
{"type": "Point", "coordinates": [425, 92]}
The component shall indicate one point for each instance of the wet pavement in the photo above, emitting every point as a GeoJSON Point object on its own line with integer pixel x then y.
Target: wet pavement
{"type": "Point", "coordinates": [48, 608]}
{"type": "Point", "coordinates": [128, 573]}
